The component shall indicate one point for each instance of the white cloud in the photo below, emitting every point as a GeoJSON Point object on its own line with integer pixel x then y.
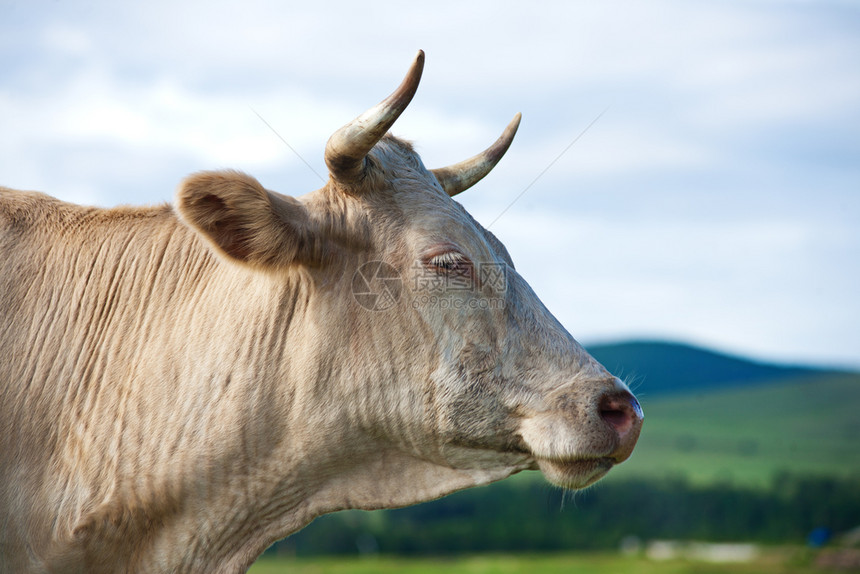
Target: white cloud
{"type": "Point", "coordinates": [751, 286]}
{"type": "Point", "coordinates": [721, 174]}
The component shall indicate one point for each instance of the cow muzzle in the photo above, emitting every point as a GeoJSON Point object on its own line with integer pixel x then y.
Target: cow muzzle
{"type": "Point", "coordinates": [578, 441]}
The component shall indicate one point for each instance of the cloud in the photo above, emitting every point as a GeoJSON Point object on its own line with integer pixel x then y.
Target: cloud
{"type": "Point", "coordinates": [733, 284]}
{"type": "Point", "coordinates": [714, 200]}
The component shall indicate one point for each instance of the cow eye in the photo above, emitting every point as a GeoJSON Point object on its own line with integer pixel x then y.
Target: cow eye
{"type": "Point", "coordinates": [451, 262]}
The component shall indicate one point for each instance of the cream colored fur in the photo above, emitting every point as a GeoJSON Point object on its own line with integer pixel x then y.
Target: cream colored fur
{"type": "Point", "coordinates": [181, 387]}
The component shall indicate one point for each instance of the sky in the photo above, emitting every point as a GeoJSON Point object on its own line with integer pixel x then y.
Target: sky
{"type": "Point", "coordinates": [684, 171]}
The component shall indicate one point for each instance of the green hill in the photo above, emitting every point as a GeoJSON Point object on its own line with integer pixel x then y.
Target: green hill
{"type": "Point", "coordinates": [652, 367]}
{"type": "Point", "coordinates": [749, 434]}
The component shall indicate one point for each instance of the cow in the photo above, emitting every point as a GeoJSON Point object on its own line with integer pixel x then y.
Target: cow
{"type": "Point", "coordinates": [181, 386]}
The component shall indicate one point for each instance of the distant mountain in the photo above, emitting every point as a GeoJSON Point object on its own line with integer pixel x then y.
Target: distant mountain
{"type": "Point", "coordinates": [660, 367]}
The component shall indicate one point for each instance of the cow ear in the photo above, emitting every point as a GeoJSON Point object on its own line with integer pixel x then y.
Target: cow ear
{"type": "Point", "coordinates": [246, 222]}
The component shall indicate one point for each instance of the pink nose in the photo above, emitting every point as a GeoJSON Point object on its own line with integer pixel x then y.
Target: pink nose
{"type": "Point", "coordinates": [623, 414]}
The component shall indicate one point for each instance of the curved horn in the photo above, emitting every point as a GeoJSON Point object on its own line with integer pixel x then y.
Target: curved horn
{"type": "Point", "coordinates": [348, 146]}
{"type": "Point", "coordinates": [461, 176]}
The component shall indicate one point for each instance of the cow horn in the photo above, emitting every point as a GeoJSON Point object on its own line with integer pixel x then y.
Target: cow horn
{"type": "Point", "coordinates": [461, 176]}
{"type": "Point", "coordinates": [347, 148]}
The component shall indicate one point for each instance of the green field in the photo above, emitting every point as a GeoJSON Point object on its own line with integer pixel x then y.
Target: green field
{"type": "Point", "coordinates": [783, 562]}
{"type": "Point", "coordinates": [748, 435]}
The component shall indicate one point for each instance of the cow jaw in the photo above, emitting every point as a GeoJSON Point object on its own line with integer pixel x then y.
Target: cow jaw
{"type": "Point", "coordinates": [393, 479]}
{"type": "Point", "coordinates": [575, 473]}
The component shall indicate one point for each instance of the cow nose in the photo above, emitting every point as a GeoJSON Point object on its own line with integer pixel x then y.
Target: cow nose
{"type": "Point", "coordinates": [622, 412]}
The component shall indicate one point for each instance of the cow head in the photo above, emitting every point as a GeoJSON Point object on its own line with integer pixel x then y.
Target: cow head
{"type": "Point", "coordinates": [417, 334]}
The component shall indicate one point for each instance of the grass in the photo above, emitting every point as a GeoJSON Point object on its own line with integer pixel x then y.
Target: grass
{"type": "Point", "coordinates": [747, 435]}
{"type": "Point", "coordinates": [581, 563]}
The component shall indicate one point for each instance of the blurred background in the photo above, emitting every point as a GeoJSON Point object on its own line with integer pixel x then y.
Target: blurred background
{"type": "Point", "coordinates": [683, 194]}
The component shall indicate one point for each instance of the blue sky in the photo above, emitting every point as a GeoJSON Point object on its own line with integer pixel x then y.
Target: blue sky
{"type": "Point", "coordinates": [716, 200]}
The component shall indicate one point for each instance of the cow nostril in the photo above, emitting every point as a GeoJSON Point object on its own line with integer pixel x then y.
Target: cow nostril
{"type": "Point", "coordinates": [617, 419]}
{"type": "Point", "coordinates": [620, 411]}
